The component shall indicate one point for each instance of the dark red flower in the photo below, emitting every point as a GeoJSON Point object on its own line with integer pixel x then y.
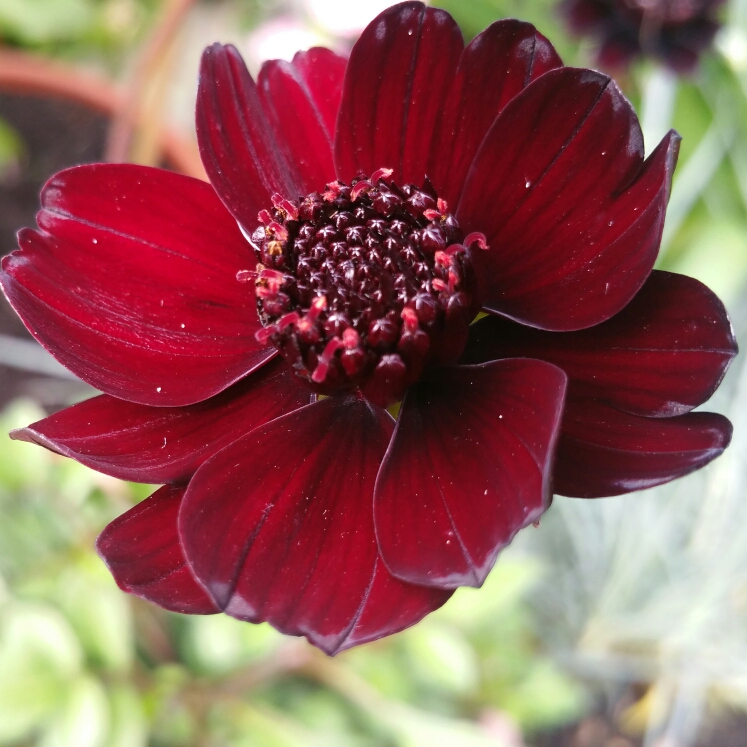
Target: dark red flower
{"type": "Point", "coordinates": [359, 215]}
{"type": "Point", "coordinates": [676, 32]}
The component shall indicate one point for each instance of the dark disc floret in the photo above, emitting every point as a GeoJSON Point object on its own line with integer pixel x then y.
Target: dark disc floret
{"type": "Point", "coordinates": [364, 285]}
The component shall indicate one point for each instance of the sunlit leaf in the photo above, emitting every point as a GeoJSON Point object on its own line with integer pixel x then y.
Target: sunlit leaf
{"type": "Point", "coordinates": [84, 719]}
{"type": "Point", "coordinates": [99, 612]}
{"type": "Point", "coordinates": [128, 726]}
{"type": "Point", "coordinates": [718, 257]}
{"type": "Point", "coordinates": [217, 643]}
{"type": "Point", "coordinates": [442, 657]}
{"type": "Point", "coordinates": [22, 465]}
{"type": "Point", "coordinates": [39, 655]}
{"type": "Point", "coordinates": [38, 21]}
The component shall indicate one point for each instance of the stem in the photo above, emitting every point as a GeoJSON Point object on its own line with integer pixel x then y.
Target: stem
{"type": "Point", "coordinates": [129, 116]}
{"type": "Point", "coordinates": [657, 106]}
{"type": "Point", "coordinates": [291, 657]}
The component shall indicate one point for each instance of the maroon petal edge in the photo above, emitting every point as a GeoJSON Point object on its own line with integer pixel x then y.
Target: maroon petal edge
{"type": "Point", "coordinates": [468, 466]}
{"type": "Point", "coordinates": [165, 444]}
{"type": "Point", "coordinates": [131, 284]}
{"type": "Point", "coordinates": [397, 80]}
{"type": "Point", "coordinates": [300, 100]}
{"type": "Point", "coordinates": [278, 526]}
{"type": "Point", "coordinates": [494, 68]}
{"type": "Point", "coordinates": [323, 73]}
{"type": "Point", "coordinates": [572, 214]}
{"type": "Point", "coordinates": [242, 157]}
{"type": "Point", "coordinates": [603, 451]}
{"type": "Point", "coordinates": [141, 549]}
{"type": "Point", "coordinates": [663, 354]}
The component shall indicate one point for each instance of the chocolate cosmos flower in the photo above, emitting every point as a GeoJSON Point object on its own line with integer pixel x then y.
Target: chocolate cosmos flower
{"type": "Point", "coordinates": [249, 333]}
{"type": "Point", "coordinates": [674, 31]}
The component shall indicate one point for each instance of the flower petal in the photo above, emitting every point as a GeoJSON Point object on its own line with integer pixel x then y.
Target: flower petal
{"type": "Point", "coordinates": [131, 284]}
{"type": "Point", "coordinates": [603, 451]}
{"type": "Point", "coordinates": [279, 527]}
{"type": "Point", "coordinates": [572, 214]}
{"type": "Point", "coordinates": [323, 73]}
{"type": "Point", "coordinates": [663, 354]}
{"type": "Point", "coordinates": [300, 100]}
{"type": "Point", "coordinates": [166, 444]}
{"type": "Point", "coordinates": [397, 80]}
{"type": "Point", "coordinates": [241, 155]}
{"type": "Point", "coordinates": [494, 68]}
{"type": "Point", "coordinates": [468, 466]}
{"type": "Point", "coordinates": [142, 550]}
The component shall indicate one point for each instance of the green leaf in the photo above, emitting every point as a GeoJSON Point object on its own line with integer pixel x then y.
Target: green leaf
{"type": "Point", "coordinates": [382, 665]}
{"type": "Point", "coordinates": [85, 719]}
{"type": "Point", "coordinates": [694, 175]}
{"type": "Point", "coordinates": [442, 657]}
{"type": "Point", "coordinates": [218, 643]}
{"type": "Point", "coordinates": [249, 726]}
{"type": "Point", "coordinates": [504, 589]}
{"type": "Point", "coordinates": [42, 21]}
{"type": "Point", "coordinates": [128, 725]}
{"type": "Point", "coordinates": [11, 150]}
{"type": "Point", "coordinates": [22, 465]}
{"type": "Point", "coordinates": [545, 698]}
{"type": "Point", "coordinates": [718, 258]}
{"type": "Point", "coordinates": [39, 654]}
{"type": "Point", "coordinates": [99, 612]}
{"type": "Point", "coordinates": [414, 728]}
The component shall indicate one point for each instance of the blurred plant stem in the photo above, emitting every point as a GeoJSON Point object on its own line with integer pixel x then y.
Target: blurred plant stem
{"type": "Point", "coordinates": [298, 657]}
{"type": "Point", "coordinates": [695, 175]}
{"type": "Point", "coordinates": [36, 75]}
{"type": "Point", "coordinates": [294, 656]}
{"type": "Point", "coordinates": [153, 633]}
{"type": "Point", "coordinates": [133, 131]}
{"type": "Point", "coordinates": [657, 105]}
{"type": "Point", "coordinates": [348, 684]}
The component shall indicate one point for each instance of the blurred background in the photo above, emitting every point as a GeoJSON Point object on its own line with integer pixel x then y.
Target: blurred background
{"type": "Point", "coordinates": [616, 623]}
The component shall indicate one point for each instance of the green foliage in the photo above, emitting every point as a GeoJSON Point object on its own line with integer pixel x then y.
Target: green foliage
{"type": "Point", "coordinates": [75, 28]}
{"type": "Point", "coordinates": [84, 665]}
{"type": "Point", "coordinates": [11, 150]}
{"type": "Point", "coordinates": [39, 656]}
{"type": "Point", "coordinates": [39, 21]}
{"type": "Point", "coordinates": [716, 253]}
{"type": "Point", "coordinates": [81, 664]}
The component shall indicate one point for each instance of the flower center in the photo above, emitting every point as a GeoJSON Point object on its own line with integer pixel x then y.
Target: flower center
{"type": "Point", "coordinates": [363, 286]}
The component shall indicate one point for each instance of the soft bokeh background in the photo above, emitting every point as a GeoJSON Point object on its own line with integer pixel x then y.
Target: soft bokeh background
{"type": "Point", "coordinates": [616, 623]}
